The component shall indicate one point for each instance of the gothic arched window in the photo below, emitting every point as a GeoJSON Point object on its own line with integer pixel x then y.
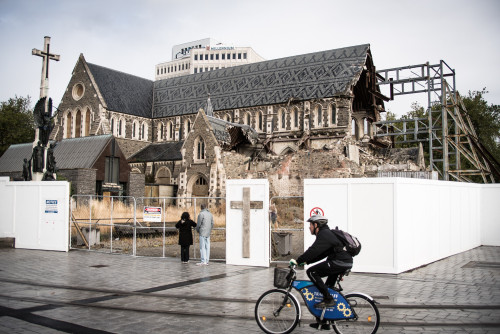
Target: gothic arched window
{"type": "Point", "coordinates": [200, 149]}
{"type": "Point", "coordinates": [333, 114]}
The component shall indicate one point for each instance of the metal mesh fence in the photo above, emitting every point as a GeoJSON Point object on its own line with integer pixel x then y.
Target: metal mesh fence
{"type": "Point", "coordinates": [99, 223]}
{"type": "Point", "coordinates": [287, 228]}
{"type": "Point", "coordinates": [119, 225]}
{"type": "Point", "coordinates": [124, 225]}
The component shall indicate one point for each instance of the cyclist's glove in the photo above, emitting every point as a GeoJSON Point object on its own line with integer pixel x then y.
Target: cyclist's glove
{"type": "Point", "coordinates": [293, 262]}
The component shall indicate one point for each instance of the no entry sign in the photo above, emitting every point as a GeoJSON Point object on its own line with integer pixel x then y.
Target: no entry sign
{"type": "Point", "coordinates": [316, 211]}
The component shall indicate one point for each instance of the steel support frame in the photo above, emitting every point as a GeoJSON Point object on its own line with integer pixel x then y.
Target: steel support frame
{"type": "Point", "coordinates": [449, 129]}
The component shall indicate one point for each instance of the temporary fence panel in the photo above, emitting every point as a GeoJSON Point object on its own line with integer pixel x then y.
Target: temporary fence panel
{"type": "Point", "coordinates": [402, 223]}
{"type": "Point", "coordinates": [35, 214]}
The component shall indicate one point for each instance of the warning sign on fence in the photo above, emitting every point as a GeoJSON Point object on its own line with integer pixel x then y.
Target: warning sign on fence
{"type": "Point", "coordinates": [152, 214]}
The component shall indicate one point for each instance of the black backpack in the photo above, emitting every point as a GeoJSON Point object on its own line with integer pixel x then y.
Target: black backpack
{"type": "Point", "coordinates": [351, 243]}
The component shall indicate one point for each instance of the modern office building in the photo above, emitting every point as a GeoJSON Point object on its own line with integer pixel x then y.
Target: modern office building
{"type": "Point", "coordinates": [202, 56]}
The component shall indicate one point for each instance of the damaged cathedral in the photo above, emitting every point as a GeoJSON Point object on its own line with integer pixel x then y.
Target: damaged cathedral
{"type": "Point", "coordinates": [305, 116]}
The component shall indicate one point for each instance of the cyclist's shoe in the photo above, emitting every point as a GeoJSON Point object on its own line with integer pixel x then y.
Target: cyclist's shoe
{"type": "Point", "coordinates": [325, 303]}
{"type": "Point", "coordinates": [324, 326]}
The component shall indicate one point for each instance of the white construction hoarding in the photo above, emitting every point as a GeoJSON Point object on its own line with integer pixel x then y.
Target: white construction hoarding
{"type": "Point", "coordinates": [35, 213]}
{"type": "Point", "coordinates": [404, 223]}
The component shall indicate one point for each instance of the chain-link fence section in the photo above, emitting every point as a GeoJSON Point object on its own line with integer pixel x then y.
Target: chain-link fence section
{"type": "Point", "coordinates": [287, 228]}
{"type": "Point", "coordinates": [144, 226]}
{"type": "Point", "coordinates": [102, 223]}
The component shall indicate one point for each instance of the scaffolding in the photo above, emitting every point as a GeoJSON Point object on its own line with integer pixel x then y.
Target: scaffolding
{"type": "Point", "coordinates": [447, 130]}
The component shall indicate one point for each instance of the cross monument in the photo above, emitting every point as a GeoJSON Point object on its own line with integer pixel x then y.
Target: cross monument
{"type": "Point", "coordinates": [246, 205]}
{"type": "Point", "coordinates": [41, 164]}
{"type": "Point", "coordinates": [46, 55]}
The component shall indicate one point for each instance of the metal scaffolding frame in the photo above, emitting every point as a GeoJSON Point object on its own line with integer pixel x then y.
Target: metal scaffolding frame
{"type": "Point", "coordinates": [447, 130]}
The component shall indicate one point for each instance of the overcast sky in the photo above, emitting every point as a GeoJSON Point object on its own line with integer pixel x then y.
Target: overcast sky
{"type": "Point", "coordinates": [134, 36]}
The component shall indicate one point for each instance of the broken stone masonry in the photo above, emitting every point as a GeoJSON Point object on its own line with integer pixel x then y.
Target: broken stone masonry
{"type": "Point", "coordinates": [344, 158]}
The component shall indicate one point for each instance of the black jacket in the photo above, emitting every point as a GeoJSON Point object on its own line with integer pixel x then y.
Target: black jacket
{"type": "Point", "coordinates": [326, 245]}
{"type": "Point", "coordinates": [185, 232]}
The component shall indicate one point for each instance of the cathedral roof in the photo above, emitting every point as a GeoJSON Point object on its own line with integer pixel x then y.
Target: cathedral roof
{"type": "Point", "coordinates": [70, 153]}
{"type": "Point", "coordinates": [123, 92]}
{"type": "Point", "coordinates": [169, 151]}
{"type": "Point", "coordinates": [315, 75]}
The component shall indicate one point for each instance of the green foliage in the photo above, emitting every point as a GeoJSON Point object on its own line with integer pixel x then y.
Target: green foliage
{"type": "Point", "coordinates": [16, 122]}
{"type": "Point", "coordinates": [485, 120]}
{"type": "Point", "coordinates": [390, 116]}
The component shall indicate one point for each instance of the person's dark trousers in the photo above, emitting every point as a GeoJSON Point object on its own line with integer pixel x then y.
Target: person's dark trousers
{"type": "Point", "coordinates": [184, 253]}
{"type": "Point", "coordinates": [322, 269]}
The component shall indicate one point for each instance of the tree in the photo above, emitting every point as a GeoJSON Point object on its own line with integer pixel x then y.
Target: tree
{"type": "Point", "coordinates": [16, 122]}
{"type": "Point", "coordinates": [485, 120]}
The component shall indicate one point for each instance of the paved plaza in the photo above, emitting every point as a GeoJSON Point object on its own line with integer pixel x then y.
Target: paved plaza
{"type": "Point", "coordinates": [89, 292]}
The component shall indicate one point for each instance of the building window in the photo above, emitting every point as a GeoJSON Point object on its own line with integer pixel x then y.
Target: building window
{"type": "Point", "coordinates": [134, 130]}
{"type": "Point", "coordinates": [69, 122]}
{"type": "Point", "coordinates": [87, 123]}
{"type": "Point", "coordinates": [200, 149]}
{"type": "Point", "coordinates": [223, 56]}
{"type": "Point", "coordinates": [112, 170]}
{"type": "Point", "coordinates": [260, 121]}
{"type": "Point", "coordinates": [201, 181]}
{"type": "Point", "coordinates": [196, 57]}
{"type": "Point", "coordinates": [333, 114]}
{"type": "Point", "coordinates": [217, 57]}
{"type": "Point", "coordinates": [354, 129]}
{"type": "Point", "coordinates": [295, 118]}
{"type": "Point", "coordinates": [317, 117]}
{"type": "Point", "coordinates": [170, 131]}
{"type": "Point", "coordinates": [234, 55]}
{"type": "Point", "coordinates": [206, 56]}
{"type": "Point", "coordinates": [144, 131]}
{"type": "Point", "coordinates": [227, 118]}
{"type": "Point", "coordinates": [366, 127]}
{"type": "Point", "coordinates": [239, 55]}
{"type": "Point", "coordinates": [160, 131]}
{"type": "Point", "coordinates": [78, 123]}
{"type": "Point", "coordinates": [212, 56]}
{"type": "Point", "coordinates": [244, 55]}
{"type": "Point", "coordinates": [283, 119]}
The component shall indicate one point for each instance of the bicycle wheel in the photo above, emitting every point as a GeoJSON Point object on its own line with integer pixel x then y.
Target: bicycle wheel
{"type": "Point", "coordinates": [367, 317]}
{"type": "Point", "coordinates": [276, 313]}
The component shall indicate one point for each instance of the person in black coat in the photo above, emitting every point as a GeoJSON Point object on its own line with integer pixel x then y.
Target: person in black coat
{"type": "Point", "coordinates": [185, 226]}
{"type": "Point", "coordinates": [328, 246]}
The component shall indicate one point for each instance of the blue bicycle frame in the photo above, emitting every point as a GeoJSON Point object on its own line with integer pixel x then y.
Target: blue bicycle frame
{"type": "Point", "coordinates": [311, 296]}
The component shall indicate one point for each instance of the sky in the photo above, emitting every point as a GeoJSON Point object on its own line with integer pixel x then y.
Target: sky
{"type": "Point", "coordinates": [133, 36]}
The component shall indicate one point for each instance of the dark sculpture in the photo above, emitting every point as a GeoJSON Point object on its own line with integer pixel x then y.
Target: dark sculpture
{"type": "Point", "coordinates": [48, 176]}
{"type": "Point", "coordinates": [27, 170]}
{"type": "Point", "coordinates": [51, 160]}
{"type": "Point", "coordinates": [38, 157]}
{"type": "Point", "coordinates": [43, 119]}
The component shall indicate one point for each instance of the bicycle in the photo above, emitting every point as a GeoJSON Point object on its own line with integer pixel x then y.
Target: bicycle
{"type": "Point", "coordinates": [278, 311]}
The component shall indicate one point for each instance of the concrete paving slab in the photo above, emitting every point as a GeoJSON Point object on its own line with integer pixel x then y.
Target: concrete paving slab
{"type": "Point", "coordinates": [89, 292]}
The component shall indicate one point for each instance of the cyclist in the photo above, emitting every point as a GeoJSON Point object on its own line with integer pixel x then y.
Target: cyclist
{"type": "Point", "coordinates": [328, 246]}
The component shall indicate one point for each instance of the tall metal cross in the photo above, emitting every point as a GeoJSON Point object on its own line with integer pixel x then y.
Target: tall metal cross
{"type": "Point", "coordinates": [246, 205]}
{"type": "Point", "coordinates": [46, 55]}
